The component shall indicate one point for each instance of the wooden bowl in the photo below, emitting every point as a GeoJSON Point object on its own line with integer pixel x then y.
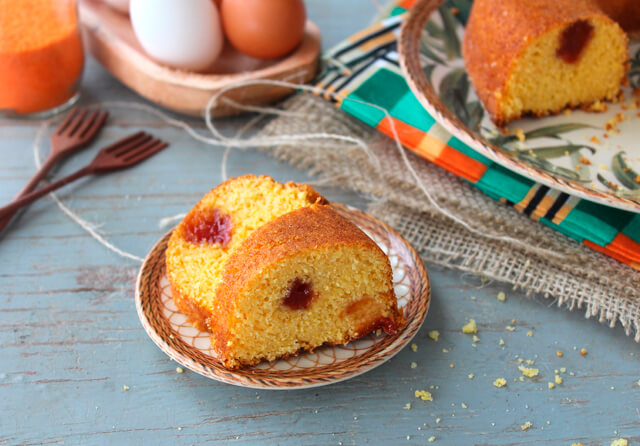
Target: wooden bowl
{"type": "Point", "coordinates": [109, 36]}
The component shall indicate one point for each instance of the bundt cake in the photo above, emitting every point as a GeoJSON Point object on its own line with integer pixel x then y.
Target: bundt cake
{"type": "Point", "coordinates": [541, 56]}
{"type": "Point", "coordinates": [289, 274]}
{"type": "Point", "coordinates": [625, 12]}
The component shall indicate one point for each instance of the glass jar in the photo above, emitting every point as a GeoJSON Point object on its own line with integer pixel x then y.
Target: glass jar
{"type": "Point", "coordinates": [41, 56]}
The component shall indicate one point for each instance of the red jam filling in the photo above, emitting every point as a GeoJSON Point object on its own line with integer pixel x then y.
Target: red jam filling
{"type": "Point", "coordinates": [573, 41]}
{"type": "Point", "coordinates": [210, 226]}
{"type": "Point", "coordinates": [299, 295]}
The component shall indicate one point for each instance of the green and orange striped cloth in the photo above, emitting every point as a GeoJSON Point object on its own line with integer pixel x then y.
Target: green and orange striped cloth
{"type": "Point", "coordinates": [373, 75]}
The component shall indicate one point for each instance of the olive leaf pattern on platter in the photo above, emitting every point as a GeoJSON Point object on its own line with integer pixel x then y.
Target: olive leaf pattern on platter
{"type": "Point", "coordinates": [574, 147]}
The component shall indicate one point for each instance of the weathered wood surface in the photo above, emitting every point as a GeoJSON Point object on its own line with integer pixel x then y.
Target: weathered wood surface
{"type": "Point", "coordinates": [70, 338]}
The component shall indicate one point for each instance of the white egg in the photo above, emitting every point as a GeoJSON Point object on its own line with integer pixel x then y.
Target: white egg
{"type": "Point", "coordinates": [182, 34]}
{"type": "Point", "coordinates": [119, 5]}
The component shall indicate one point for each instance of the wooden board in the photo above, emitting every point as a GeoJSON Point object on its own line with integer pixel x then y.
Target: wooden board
{"type": "Point", "coordinates": [109, 36]}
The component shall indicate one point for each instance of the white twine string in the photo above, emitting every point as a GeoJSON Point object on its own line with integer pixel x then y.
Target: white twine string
{"type": "Point", "coordinates": [237, 142]}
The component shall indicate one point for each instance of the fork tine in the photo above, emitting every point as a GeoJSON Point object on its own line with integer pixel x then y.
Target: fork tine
{"type": "Point", "coordinates": [127, 140]}
{"type": "Point", "coordinates": [100, 121]}
{"type": "Point", "coordinates": [141, 155]}
{"type": "Point", "coordinates": [63, 125]}
{"type": "Point", "coordinates": [77, 122]}
{"type": "Point", "coordinates": [86, 123]}
{"type": "Point", "coordinates": [132, 150]}
{"type": "Point", "coordinates": [126, 148]}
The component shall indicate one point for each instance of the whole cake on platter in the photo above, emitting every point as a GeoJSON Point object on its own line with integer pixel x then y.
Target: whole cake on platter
{"type": "Point", "coordinates": [538, 57]}
{"type": "Point", "coordinates": [272, 269]}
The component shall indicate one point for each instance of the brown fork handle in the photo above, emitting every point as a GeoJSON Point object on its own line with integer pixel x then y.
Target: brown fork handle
{"type": "Point", "coordinates": [31, 185]}
{"type": "Point", "coordinates": [33, 196]}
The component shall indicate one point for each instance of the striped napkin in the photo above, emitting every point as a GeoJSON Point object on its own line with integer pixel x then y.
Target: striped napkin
{"type": "Point", "coordinates": [365, 68]}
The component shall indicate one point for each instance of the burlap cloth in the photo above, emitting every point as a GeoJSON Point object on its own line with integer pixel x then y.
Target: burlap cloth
{"type": "Point", "coordinates": [580, 278]}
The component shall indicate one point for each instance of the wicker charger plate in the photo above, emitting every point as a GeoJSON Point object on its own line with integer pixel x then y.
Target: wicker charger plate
{"type": "Point", "coordinates": [555, 148]}
{"type": "Point", "coordinates": [169, 329]}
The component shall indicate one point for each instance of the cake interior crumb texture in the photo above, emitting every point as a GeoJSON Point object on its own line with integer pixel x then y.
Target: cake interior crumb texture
{"type": "Point", "coordinates": [513, 50]}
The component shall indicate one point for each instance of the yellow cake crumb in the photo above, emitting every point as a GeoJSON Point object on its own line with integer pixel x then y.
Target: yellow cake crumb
{"type": "Point", "coordinates": [451, 365]}
{"type": "Point", "coordinates": [434, 334]}
{"type": "Point", "coordinates": [529, 333]}
{"type": "Point", "coordinates": [500, 382]}
{"type": "Point", "coordinates": [437, 420]}
{"type": "Point", "coordinates": [563, 369]}
{"type": "Point", "coordinates": [551, 385]}
{"type": "Point", "coordinates": [598, 107]}
{"type": "Point", "coordinates": [470, 327]}
{"type": "Point", "coordinates": [576, 444]}
{"type": "Point", "coordinates": [423, 395]}
{"type": "Point", "coordinates": [476, 339]}
{"type": "Point", "coordinates": [558, 380]}
{"type": "Point", "coordinates": [510, 328]}
{"type": "Point", "coordinates": [556, 371]}
{"type": "Point", "coordinates": [521, 378]}
{"type": "Point", "coordinates": [530, 361]}
{"type": "Point", "coordinates": [407, 406]}
{"type": "Point", "coordinates": [414, 365]}
{"type": "Point", "coordinates": [471, 376]}
{"type": "Point", "coordinates": [583, 352]}
{"type": "Point", "coordinates": [179, 370]}
{"type": "Point", "coordinates": [559, 353]}
{"type": "Point", "coordinates": [595, 140]}
{"type": "Point", "coordinates": [528, 372]}
{"type": "Point", "coordinates": [501, 342]}
{"type": "Point", "coordinates": [125, 388]}
{"type": "Point", "coordinates": [431, 439]}
{"type": "Point", "coordinates": [526, 426]}
{"type": "Point", "coordinates": [501, 296]}
{"type": "Point", "coordinates": [619, 442]}
{"type": "Point", "coordinates": [414, 347]}
{"type": "Point", "coordinates": [445, 350]}
{"type": "Point", "coordinates": [520, 134]}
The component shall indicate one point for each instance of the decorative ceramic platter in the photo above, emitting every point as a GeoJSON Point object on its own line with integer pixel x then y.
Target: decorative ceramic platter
{"type": "Point", "coordinates": [577, 152]}
{"type": "Point", "coordinates": [169, 328]}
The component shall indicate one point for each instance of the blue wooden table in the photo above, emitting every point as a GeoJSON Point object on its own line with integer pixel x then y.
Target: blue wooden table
{"type": "Point", "coordinates": [70, 337]}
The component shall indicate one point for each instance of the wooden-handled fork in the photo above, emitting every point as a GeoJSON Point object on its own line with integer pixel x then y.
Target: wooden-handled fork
{"type": "Point", "coordinates": [76, 131]}
{"type": "Point", "coordinates": [120, 155]}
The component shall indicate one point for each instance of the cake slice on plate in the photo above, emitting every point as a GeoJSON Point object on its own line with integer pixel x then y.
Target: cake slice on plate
{"type": "Point", "coordinates": [297, 277]}
{"type": "Point", "coordinates": [539, 57]}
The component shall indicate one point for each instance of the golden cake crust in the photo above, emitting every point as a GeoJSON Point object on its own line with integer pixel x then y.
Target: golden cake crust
{"type": "Point", "coordinates": [497, 33]}
{"type": "Point", "coordinates": [309, 228]}
{"type": "Point", "coordinates": [625, 12]}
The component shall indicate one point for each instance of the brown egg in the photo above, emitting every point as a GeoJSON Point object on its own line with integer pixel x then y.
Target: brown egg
{"type": "Point", "coordinates": [266, 29]}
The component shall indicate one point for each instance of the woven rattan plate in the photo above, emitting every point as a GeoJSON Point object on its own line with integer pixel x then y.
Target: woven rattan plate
{"type": "Point", "coordinates": [169, 329]}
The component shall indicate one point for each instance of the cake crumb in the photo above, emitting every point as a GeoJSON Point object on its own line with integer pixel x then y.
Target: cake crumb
{"type": "Point", "coordinates": [434, 334]}
{"type": "Point", "coordinates": [423, 395]}
{"type": "Point", "coordinates": [408, 437]}
{"type": "Point", "coordinates": [526, 426]}
{"type": "Point", "coordinates": [125, 388]}
{"type": "Point", "coordinates": [597, 107]}
{"type": "Point", "coordinates": [476, 339]}
{"type": "Point", "coordinates": [556, 371]}
{"type": "Point", "coordinates": [431, 439]}
{"type": "Point", "coordinates": [500, 382]}
{"type": "Point", "coordinates": [558, 380]}
{"type": "Point", "coordinates": [583, 352]}
{"type": "Point", "coordinates": [471, 376]}
{"type": "Point", "coordinates": [563, 369]}
{"type": "Point", "coordinates": [407, 406]}
{"type": "Point", "coordinates": [454, 10]}
{"type": "Point", "coordinates": [437, 420]}
{"type": "Point", "coordinates": [528, 372]}
{"type": "Point", "coordinates": [548, 422]}
{"type": "Point", "coordinates": [529, 333]}
{"type": "Point", "coordinates": [501, 296]}
{"type": "Point", "coordinates": [414, 365]}
{"type": "Point", "coordinates": [179, 370]}
{"type": "Point", "coordinates": [559, 354]}
{"type": "Point", "coordinates": [445, 350]}
{"type": "Point", "coordinates": [414, 347]}
{"type": "Point", "coordinates": [510, 328]}
{"type": "Point", "coordinates": [619, 442]}
{"type": "Point", "coordinates": [586, 161]}
{"type": "Point", "coordinates": [451, 365]}
{"type": "Point", "coordinates": [520, 134]}
{"type": "Point", "coordinates": [501, 342]}
{"type": "Point", "coordinates": [551, 385]}
{"type": "Point", "coordinates": [595, 140]}
{"type": "Point", "coordinates": [613, 388]}
{"type": "Point", "coordinates": [463, 405]}
{"type": "Point", "coordinates": [576, 444]}
{"type": "Point", "coordinates": [530, 361]}
{"type": "Point", "coordinates": [470, 328]}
